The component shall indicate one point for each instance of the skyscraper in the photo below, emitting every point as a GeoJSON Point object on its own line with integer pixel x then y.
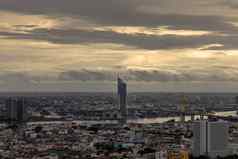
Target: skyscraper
{"type": "Point", "coordinates": [16, 111]}
{"type": "Point", "coordinates": [217, 139]}
{"type": "Point", "coordinates": [199, 138]}
{"type": "Point", "coordinates": [122, 95]}
{"type": "Point", "coordinates": [210, 138]}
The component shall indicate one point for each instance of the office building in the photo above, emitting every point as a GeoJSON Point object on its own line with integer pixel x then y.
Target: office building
{"type": "Point", "coordinates": [205, 138]}
{"type": "Point", "coordinates": [217, 139]}
{"type": "Point", "coordinates": [122, 95]}
{"type": "Point", "coordinates": [199, 138]}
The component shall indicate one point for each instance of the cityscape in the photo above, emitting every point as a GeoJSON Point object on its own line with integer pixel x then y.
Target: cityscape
{"type": "Point", "coordinates": [108, 125]}
{"type": "Point", "coordinates": [118, 79]}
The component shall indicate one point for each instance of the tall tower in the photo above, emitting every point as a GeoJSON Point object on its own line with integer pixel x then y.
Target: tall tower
{"type": "Point", "coordinates": [122, 95]}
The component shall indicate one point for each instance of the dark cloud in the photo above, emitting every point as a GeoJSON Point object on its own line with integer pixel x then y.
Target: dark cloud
{"type": "Point", "coordinates": [153, 75]}
{"type": "Point", "coordinates": [230, 3]}
{"type": "Point", "coordinates": [26, 26]}
{"type": "Point", "coordinates": [86, 75]}
{"type": "Point", "coordinates": [106, 8]}
{"type": "Point", "coordinates": [151, 42]}
{"type": "Point", "coordinates": [19, 78]}
{"type": "Point", "coordinates": [121, 13]}
{"type": "Point", "coordinates": [182, 75]}
{"type": "Point", "coordinates": [114, 12]}
{"type": "Point", "coordinates": [214, 73]}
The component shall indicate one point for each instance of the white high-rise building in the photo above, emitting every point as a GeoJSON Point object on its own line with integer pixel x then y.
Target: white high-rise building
{"type": "Point", "coordinates": [199, 138]}
{"type": "Point", "coordinates": [217, 144]}
{"type": "Point", "coordinates": [210, 138]}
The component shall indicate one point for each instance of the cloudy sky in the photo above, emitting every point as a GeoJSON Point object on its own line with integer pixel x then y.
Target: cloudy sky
{"type": "Point", "coordinates": [81, 45]}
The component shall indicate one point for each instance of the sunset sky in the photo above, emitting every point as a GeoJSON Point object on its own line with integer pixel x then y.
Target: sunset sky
{"type": "Point", "coordinates": [82, 45]}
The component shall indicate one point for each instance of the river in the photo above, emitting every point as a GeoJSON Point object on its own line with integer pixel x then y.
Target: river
{"type": "Point", "coordinates": [142, 121]}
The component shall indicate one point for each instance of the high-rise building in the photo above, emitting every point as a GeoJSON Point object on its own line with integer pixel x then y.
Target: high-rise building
{"type": "Point", "coordinates": [217, 139]}
{"type": "Point", "coordinates": [199, 138]}
{"type": "Point", "coordinates": [210, 138]}
{"type": "Point", "coordinates": [122, 95]}
{"type": "Point", "coordinates": [16, 110]}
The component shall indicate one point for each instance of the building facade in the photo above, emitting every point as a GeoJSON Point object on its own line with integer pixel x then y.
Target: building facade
{"type": "Point", "coordinates": [122, 99]}
{"type": "Point", "coordinates": [16, 110]}
{"type": "Point", "coordinates": [210, 138]}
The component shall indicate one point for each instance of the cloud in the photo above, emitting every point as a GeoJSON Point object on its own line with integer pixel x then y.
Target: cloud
{"type": "Point", "coordinates": [23, 78]}
{"type": "Point", "coordinates": [124, 12]}
{"type": "Point", "coordinates": [130, 13]}
{"type": "Point", "coordinates": [15, 78]}
{"type": "Point", "coordinates": [139, 40]}
{"type": "Point", "coordinates": [86, 75]}
{"type": "Point", "coordinates": [88, 8]}
{"type": "Point", "coordinates": [212, 74]}
{"type": "Point", "coordinates": [230, 3]}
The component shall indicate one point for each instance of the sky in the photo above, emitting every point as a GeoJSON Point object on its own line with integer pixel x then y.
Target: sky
{"type": "Point", "coordinates": [83, 45]}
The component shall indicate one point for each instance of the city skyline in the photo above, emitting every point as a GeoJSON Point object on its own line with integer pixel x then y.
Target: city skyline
{"type": "Point", "coordinates": [156, 45]}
